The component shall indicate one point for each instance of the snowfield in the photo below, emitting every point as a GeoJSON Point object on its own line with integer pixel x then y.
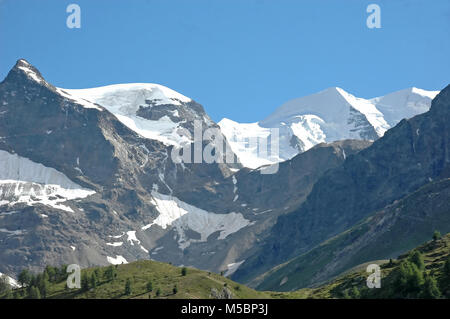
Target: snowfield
{"type": "Point", "coordinates": [24, 181]}
{"type": "Point", "coordinates": [124, 100]}
{"type": "Point", "coordinates": [116, 261]}
{"type": "Point", "coordinates": [182, 216]}
{"type": "Point", "coordinates": [327, 116]}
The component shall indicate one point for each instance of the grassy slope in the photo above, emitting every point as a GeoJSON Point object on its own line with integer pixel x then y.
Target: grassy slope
{"type": "Point", "coordinates": [198, 284]}
{"type": "Point", "coordinates": [434, 252]}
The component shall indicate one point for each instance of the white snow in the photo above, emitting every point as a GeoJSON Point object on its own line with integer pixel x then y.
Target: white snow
{"type": "Point", "coordinates": [73, 248]}
{"type": "Point", "coordinates": [132, 238]}
{"type": "Point", "coordinates": [12, 282]}
{"type": "Point", "coordinates": [83, 102]}
{"type": "Point", "coordinates": [30, 73]}
{"type": "Point", "coordinates": [24, 181]}
{"type": "Point", "coordinates": [231, 268]}
{"type": "Point", "coordinates": [115, 244]}
{"type": "Point", "coordinates": [404, 104]}
{"type": "Point", "coordinates": [12, 232]}
{"type": "Point", "coordinates": [182, 216]}
{"type": "Point", "coordinates": [144, 249]}
{"type": "Point", "coordinates": [245, 138]}
{"type": "Point", "coordinates": [117, 236]}
{"type": "Point", "coordinates": [124, 100]}
{"type": "Point", "coordinates": [327, 116]}
{"type": "Point", "coordinates": [116, 261]}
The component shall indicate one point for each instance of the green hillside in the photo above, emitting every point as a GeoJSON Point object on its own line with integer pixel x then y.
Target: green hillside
{"type": "Point", "coordinates": [422, 273]}
{"type": "Point", "coordinates": [405, 277]}
{"type": "Point", "coordinates": [111, 282]}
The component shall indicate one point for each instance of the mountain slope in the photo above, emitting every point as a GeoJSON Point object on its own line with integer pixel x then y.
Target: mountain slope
{"type": "Point", "coordinates": [388, 233]}
{"type": "Point", "coordinates": [436, 260]}
{"type": "Point", "coordinates": [408, 156]}
{"type": "Point", "coordinates": [78, 185]}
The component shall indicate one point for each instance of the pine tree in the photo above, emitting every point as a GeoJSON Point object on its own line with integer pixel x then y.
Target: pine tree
{"type": "Point", "coordinates": [149, 286]}
{"type": "Point", "coordinates": [34, 293]}
{"type": "Point", "coordinates": [84, 282]}
{"type": "Point", "coordinates": [354, 293]}
{"type": "Point", "coordinates": [447, 266]}
{"type": "Point", "coordinates": [175, 289]}
{"type": "Point", "coordinates": [43, 286]}
{"type": "Point", "coordinates": [110, 273]}
{"type": "Point", "coordinates": [408, 279]}
{"type": "Point", "coordinates": [430, 289]}
{"type": "Point", "coordinates": [93, 280]}
{"type": "Point", "coordinates": [436, 235]}
{"type": "Point", "coordinates": [128, 287]}
{"type": "Point", "coordinates": [158, 292]}
{"type": "Point", "coordinates": [4, 285]}
{"type": "Point", "coordinates": [24, 278]}
{"type": "Point", "coordinates": [416, 257]}
{"type": "Point", "coordinates": [183, 271]}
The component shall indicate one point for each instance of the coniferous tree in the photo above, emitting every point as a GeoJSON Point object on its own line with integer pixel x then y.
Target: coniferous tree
{"type": "Point", "coordinates": [175, 290]}
{"type": "Point", "coordinates": [416, 257]}
{"type": "Point", "coordinates": [43, 286]}
{"type": "Point", "coordinates": [110, 273]}
{"type": "Point", "coordinates": [184, 271]}
{"type": "Point", "coordinates": [437, 235]}
{"type": "Point", "coordinates": [93, 280]}
{"type": "Point", "coordinates": [24, 278]}
{"type": "Point", "coordinates": [128, 289]}
{"type": "Point", "coordinates": [84, 282]}
{"type": "Point", "coordinates": [149, 286]}
{"type": "Point", "coordinates": [354, 293]}
{"type": "Point", "coordinates": [34, 293]}
{"type": "Point", "coordinates": [4, 285]}
{"type": "Point", "coordinates": [430, 289]}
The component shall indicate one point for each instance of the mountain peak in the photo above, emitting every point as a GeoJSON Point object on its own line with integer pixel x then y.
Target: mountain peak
{"type": "Point", "coordinates": [24, 68]}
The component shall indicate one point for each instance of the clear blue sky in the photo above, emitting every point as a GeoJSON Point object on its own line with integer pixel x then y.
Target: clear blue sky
{"type": "Point", "coordinates": [239, 58]}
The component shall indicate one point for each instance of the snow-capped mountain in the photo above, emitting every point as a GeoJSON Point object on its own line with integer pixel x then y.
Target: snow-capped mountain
{"type": "Point", "coordinates": [330, 115]}
{"type": "Point", "coordinates": [151, 110]}
{"type": "Point", "coordinates": [86, 177]}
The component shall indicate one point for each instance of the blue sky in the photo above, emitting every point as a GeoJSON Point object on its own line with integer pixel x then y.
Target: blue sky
{"type": "Point", "coordinates": [239, 58]}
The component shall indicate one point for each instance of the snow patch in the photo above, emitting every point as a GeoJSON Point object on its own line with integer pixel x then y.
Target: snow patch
{"type": "Point", "coordinates": [116, 261]}
{"type": "Point", "coordinates": [124, 100]}
{"type": "Point", "coordinates": [231, 268]}
{"type": "Point", "coordinates": [182, 216]}
{"type": "Point", "coordinates": [24, 181]}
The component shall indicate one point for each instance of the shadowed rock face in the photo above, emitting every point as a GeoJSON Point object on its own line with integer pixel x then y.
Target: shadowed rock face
{"type": "Point", "coordinates": [87, 144]}
{"type": "Point", "coordinates": [408, 156]}
{"type": "Point", "coordinates": [386, 234]}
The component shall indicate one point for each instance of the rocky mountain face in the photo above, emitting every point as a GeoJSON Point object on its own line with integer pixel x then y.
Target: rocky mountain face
{"type": "Point", "coordinates": [410, 155]}
{"type": "Point", "coordinates": [78, 185]}
{"type": "Point", "coordinates": [386, 234]}
{"type": "Point", "coordinates": [330, 115]}
{"type": "Point", "coordinates": [87, 177]}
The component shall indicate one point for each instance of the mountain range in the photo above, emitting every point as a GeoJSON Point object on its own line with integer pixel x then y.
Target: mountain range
{"type": "Point", "coordinates": [87, 177]}
{"type": "Point", "coordinates": [327, 116]}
